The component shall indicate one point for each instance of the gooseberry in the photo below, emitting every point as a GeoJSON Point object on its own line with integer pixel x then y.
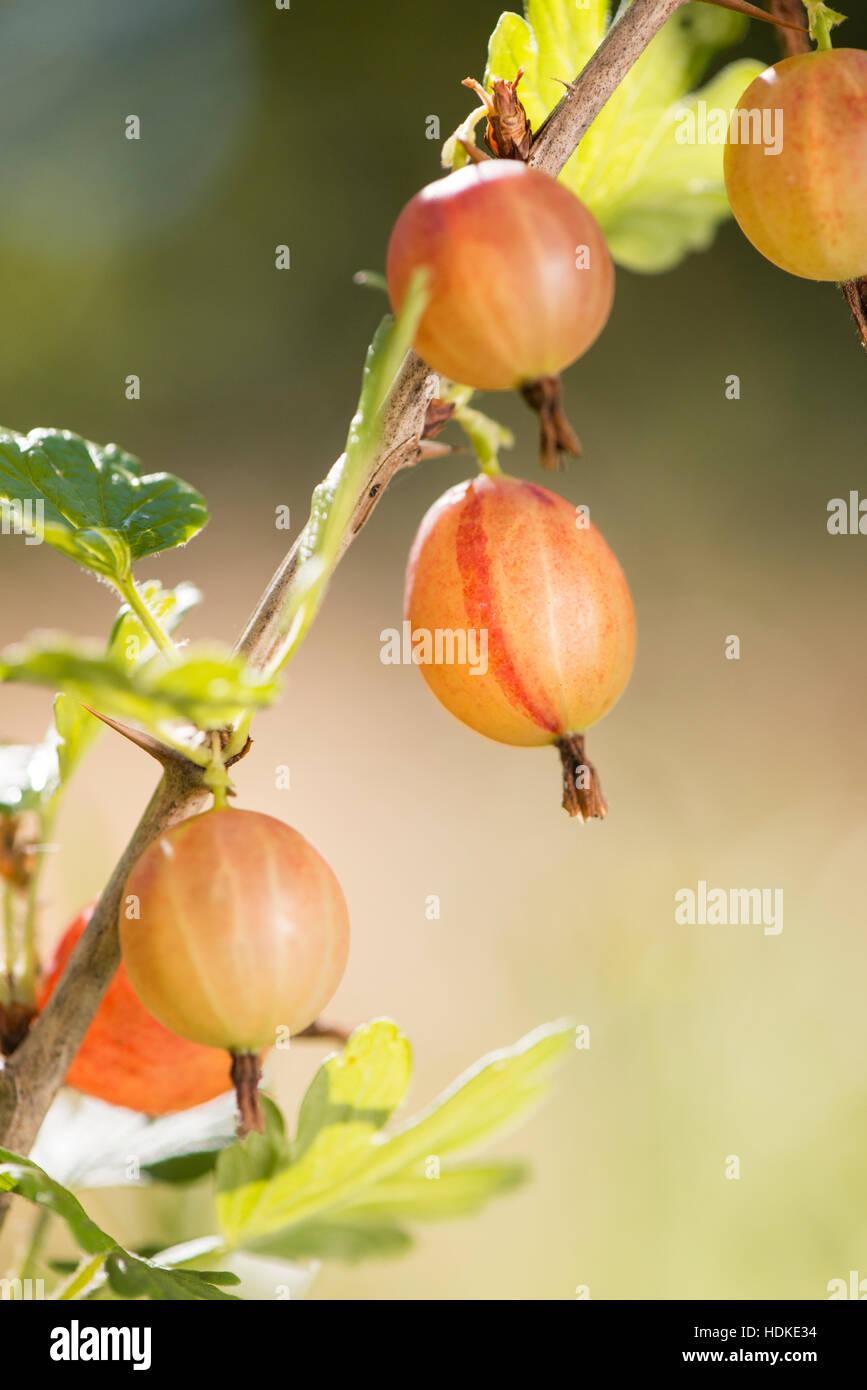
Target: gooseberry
{"type": "Point", "coordinates": [519, 281]}
{"type": "Point", "coordinates": [804, 207]}
{"type": "Point", "coordinates": [545, 615]}
{"type": "Point", "coordinates": [235, 934]}
{"type": "Point", "coordinates": [126, 1057]}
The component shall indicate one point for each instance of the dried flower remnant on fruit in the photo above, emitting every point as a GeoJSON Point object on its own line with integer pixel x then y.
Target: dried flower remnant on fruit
{"type": "Point", "coordinates": [507, 133]}
{"type": "Point", "coordinates": [556, 435]}
{"type": "Point", "coordinates": [582, 790]}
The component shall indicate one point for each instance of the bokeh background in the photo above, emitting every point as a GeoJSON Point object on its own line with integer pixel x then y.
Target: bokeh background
{"type": "Point", "coordinates": [156, 257]}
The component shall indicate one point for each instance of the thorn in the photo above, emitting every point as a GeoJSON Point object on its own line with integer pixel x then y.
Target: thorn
{"type": "Point", "coordinates": [168, 757]}
{"type": "Point", "coordinates": [753, 11]}
{"type": "Point", "coordinates": [476, 155]}
{"type": "Point", "coordinates": [429, 449]}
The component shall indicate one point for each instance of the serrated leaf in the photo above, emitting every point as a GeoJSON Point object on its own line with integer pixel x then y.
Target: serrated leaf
{"type": "Point", "coordinates": [350, 1098]}
{"type": "Point", "coordinates": [350, 1239]}
{"type": "Point", "coordinates": [208, 687]}
{"type": "Point", "coordinates": [257, 1157]}
{"type": "Point", "coordinates": [92, 502]}
{"type": "Point", "coordinates": [362, 1085]}
{"type": "Point", "coordinates": [349, 1157]}
{"type": "Point", "coordinates": [655, 198]}
{"type": "Point", "coordinates": [457, 1191]}
{"type": "Point", "coordinates": [132, 1277]}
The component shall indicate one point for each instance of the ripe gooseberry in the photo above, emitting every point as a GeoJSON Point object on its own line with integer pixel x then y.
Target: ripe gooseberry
{"type": "Point", "coordinates": [126, 1057]}
{"type": "Point", "coordinates": [520, 281]}
{"type": "Point", "coordinates": [233, 928]}
{"type": "Point", "coordinates": [550, 608]}
{"type": "Point", "coordinates": [805, 208]}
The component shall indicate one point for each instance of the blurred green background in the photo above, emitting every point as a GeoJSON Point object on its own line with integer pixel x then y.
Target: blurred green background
{"type": "Point", "coordinates": [156, 257]}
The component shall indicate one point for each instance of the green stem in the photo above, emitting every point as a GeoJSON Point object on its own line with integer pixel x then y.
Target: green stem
{"type": "Point", "coordinates": [822, 21]}
{"type": "Point", "coordinates": [216, 778]}
{"type": "Point", "coordinates": [822, 34]}
{"type": "Point", "coordinates": [130, 594]}
{"type": "Point", "coordinates": [37, 1240]}
{"type": "Point", "coordinates": [240, 734]}
{"type": "Point", "coordinates": [9, 951]}
{"type": "Point", "coordinates": [81, 1278]}
{"type": "Point", "coordinates": [25, 991]}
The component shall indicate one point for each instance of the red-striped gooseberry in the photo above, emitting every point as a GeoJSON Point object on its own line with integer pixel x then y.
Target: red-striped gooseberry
{"type": "Point", "coordinates": [547, 602]}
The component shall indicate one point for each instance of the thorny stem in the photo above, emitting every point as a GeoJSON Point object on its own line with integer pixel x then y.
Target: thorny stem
{"type": "Point", "coordinates": [33, 1075]}
{"type": "Point", "coordinates": [568, 123]}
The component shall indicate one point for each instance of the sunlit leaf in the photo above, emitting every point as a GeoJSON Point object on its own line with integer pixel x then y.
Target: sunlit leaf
{"type": "Point", "coordinates": [127, 1274]}
{"type": "Point", "coordinates": [208, 687]}
{"type": "Point", "coordinates": [348, 1162]}
{"type": "Point", "coordinates": [92, 502]}
{"type": "Point", "coordinates": [656, 197]}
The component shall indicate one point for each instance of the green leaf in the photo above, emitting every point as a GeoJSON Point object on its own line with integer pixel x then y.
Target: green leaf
{"type": "Point", "coordinates": [350, 1239]}
{"type": "Point", "coordinates": [25, 1179]}
{"type": "Point", "coordinates": [208, 687]}
{"type": "Point", "coordinates": [92, 502]}
{"type": "Point", "coordinates": [76, 732]}
{"type": "Point", "coordinates": [129, 641]}
{"type": "Point", "coordinates": [349, 1099]}
{"type": "Point", "coordinates": [132, 1277]}
{"type": "Point", "coordinates": [369, 1228]}
{"type": "Point", "coordinates": [458, 1191]}
{"type": "Point", "coordinates": [133, 648]}
{"type": "Point", "coordinates": [31, 775]}
{"type": "Point", "coordinates": [128, 1274]}
{"type": "Point", "coordinates": [656, 198]}
{"type": "Point", "coordinates": [321, 542]}
{"type": "Point", "coordinates": [184, 1168]}
{"type": "Point", "coordinates": [257, 1157]}
{"type": "Point", "coordinates": [361, 1086]}
{"type": "Point", "coordinates": [347, 1158]}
